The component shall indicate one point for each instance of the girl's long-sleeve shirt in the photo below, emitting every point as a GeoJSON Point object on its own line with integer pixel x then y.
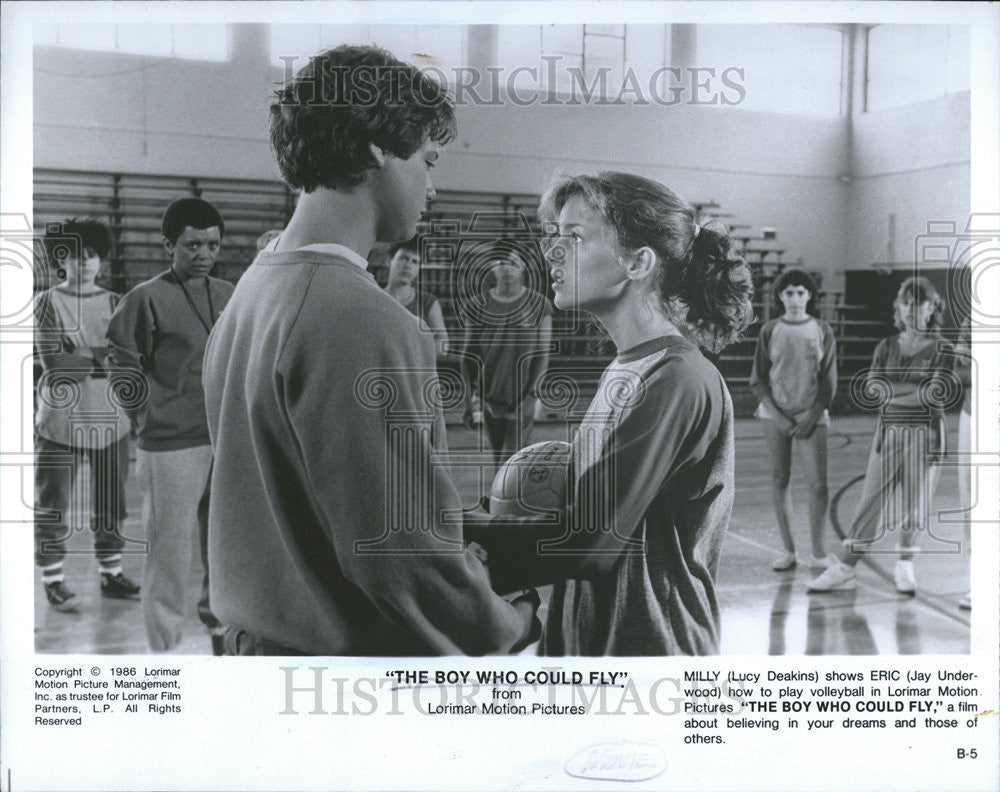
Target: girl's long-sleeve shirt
{"type": "Point", "coordinates": [932, 369]}
{"type": "Point", "coordinates": [635, 565]}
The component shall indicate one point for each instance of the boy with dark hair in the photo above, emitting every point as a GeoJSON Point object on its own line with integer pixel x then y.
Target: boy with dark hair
{"type": "Point", "coordinates": [160, 330]}
{"type": "Point", "coordinates": [329, 529]}
{"type": "Point", "coordinates": [193, 212]}
{"type": "Point", "coordinates": [70, 321]}
{"type": "Point", "coordinates": [404, 270]}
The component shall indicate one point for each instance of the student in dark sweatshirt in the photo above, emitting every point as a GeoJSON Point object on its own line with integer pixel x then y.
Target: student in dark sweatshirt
{"type": "Point", "coordinates": [159, 330]}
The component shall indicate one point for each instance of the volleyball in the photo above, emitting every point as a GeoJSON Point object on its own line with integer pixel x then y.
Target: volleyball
{"type": "Point", "coordinates": [532, 481]}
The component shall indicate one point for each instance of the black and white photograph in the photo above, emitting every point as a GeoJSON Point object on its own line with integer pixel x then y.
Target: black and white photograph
{"type": "Point", "coordinates": [500, 395]}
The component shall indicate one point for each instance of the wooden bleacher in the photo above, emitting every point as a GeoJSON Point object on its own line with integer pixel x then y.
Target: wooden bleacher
{"type": "Point", "coordinates": [133, 205]}
{"type": "Point", "coordinates": [856, 329]}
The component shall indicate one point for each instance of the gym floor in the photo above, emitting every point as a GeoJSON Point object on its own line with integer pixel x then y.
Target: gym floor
{"type": "Point", "coordinates": [763, 612]}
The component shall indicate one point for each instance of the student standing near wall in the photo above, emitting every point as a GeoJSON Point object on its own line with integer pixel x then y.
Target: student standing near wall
{"type": "Point", "coordinates": [506, 353]}
{"type": "Point", "coordinates": [913, 370]}
{"type": "Point", "coordinates": [404, 267]}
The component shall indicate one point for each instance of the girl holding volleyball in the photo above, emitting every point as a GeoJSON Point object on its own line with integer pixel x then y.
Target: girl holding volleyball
{"type": "Point", "coordinates": [635, 558]}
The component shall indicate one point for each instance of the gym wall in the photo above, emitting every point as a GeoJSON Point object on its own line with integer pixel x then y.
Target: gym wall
{"type": "Point", "coordinates": [828, 186]}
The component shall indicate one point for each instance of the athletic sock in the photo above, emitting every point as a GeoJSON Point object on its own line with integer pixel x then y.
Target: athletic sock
{"type": "Point", "coordinates": [111, 565]}
{"type": "Point", "coordinates": [53, 573]}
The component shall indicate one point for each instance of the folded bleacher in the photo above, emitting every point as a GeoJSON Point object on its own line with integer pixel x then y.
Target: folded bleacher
{"type": "Point", "coordinates": [133, 205]}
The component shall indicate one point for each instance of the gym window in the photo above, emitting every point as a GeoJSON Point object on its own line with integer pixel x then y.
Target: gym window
{"type": "Point", "coordinates": [188, 42]}
{"type": "Point", "coordinates": [804, 80]}
{"type": "Point", "coordinates": [913, 63]}
{"type": "Point", "coordinates": [437, 46]}
{"type": "Point", "coordinates": [569, 60]}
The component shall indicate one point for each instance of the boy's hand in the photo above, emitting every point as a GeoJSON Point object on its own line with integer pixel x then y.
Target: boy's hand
{"type": "Point", "coordinates": [478, 551]}
{"type": "Point", "coordinates": [804, 428]}
{"type": "Point", "coordinates": [527, 605]}
{"type": "Point", "coordinates": [786, 424]}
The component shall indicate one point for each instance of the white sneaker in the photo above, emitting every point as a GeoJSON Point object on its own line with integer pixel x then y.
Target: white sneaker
{"type": "Point", "coordinates": [966, 602]}
{"type": "Point", "coordinates": [838, 577]}
{"type": "Point", "coordinates": [784, 562]}
{"type": "Point", "coordinates": [906, 583]}
{"type": "Point", "coordinates": [824, 562]}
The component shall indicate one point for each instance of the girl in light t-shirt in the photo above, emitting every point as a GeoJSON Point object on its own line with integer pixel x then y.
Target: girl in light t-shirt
{"type": "Point", "coordinates": [794, 378]}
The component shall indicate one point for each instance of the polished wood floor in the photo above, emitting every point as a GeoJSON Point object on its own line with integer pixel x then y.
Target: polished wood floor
{"type": "Point", "coordinates": [763, 612]}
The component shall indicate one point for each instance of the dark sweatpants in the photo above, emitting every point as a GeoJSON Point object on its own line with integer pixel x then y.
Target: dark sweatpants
{"type": "Point", "coordinates": [56, 467]}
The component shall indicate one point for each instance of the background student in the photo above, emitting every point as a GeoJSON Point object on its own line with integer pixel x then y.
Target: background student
{"type": "Point", "coordinates": [505, 353]}
{"type": "Point", "coordinates": [71, 321]}
{"type": "Point", "coordinates": [795, 377]}
{"type": "Point", "coordinates": [159, 330]}
{"type": "Point", "coordinates": [404, 269]}
{"type": "Point", "coordinates": [910, 368]}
